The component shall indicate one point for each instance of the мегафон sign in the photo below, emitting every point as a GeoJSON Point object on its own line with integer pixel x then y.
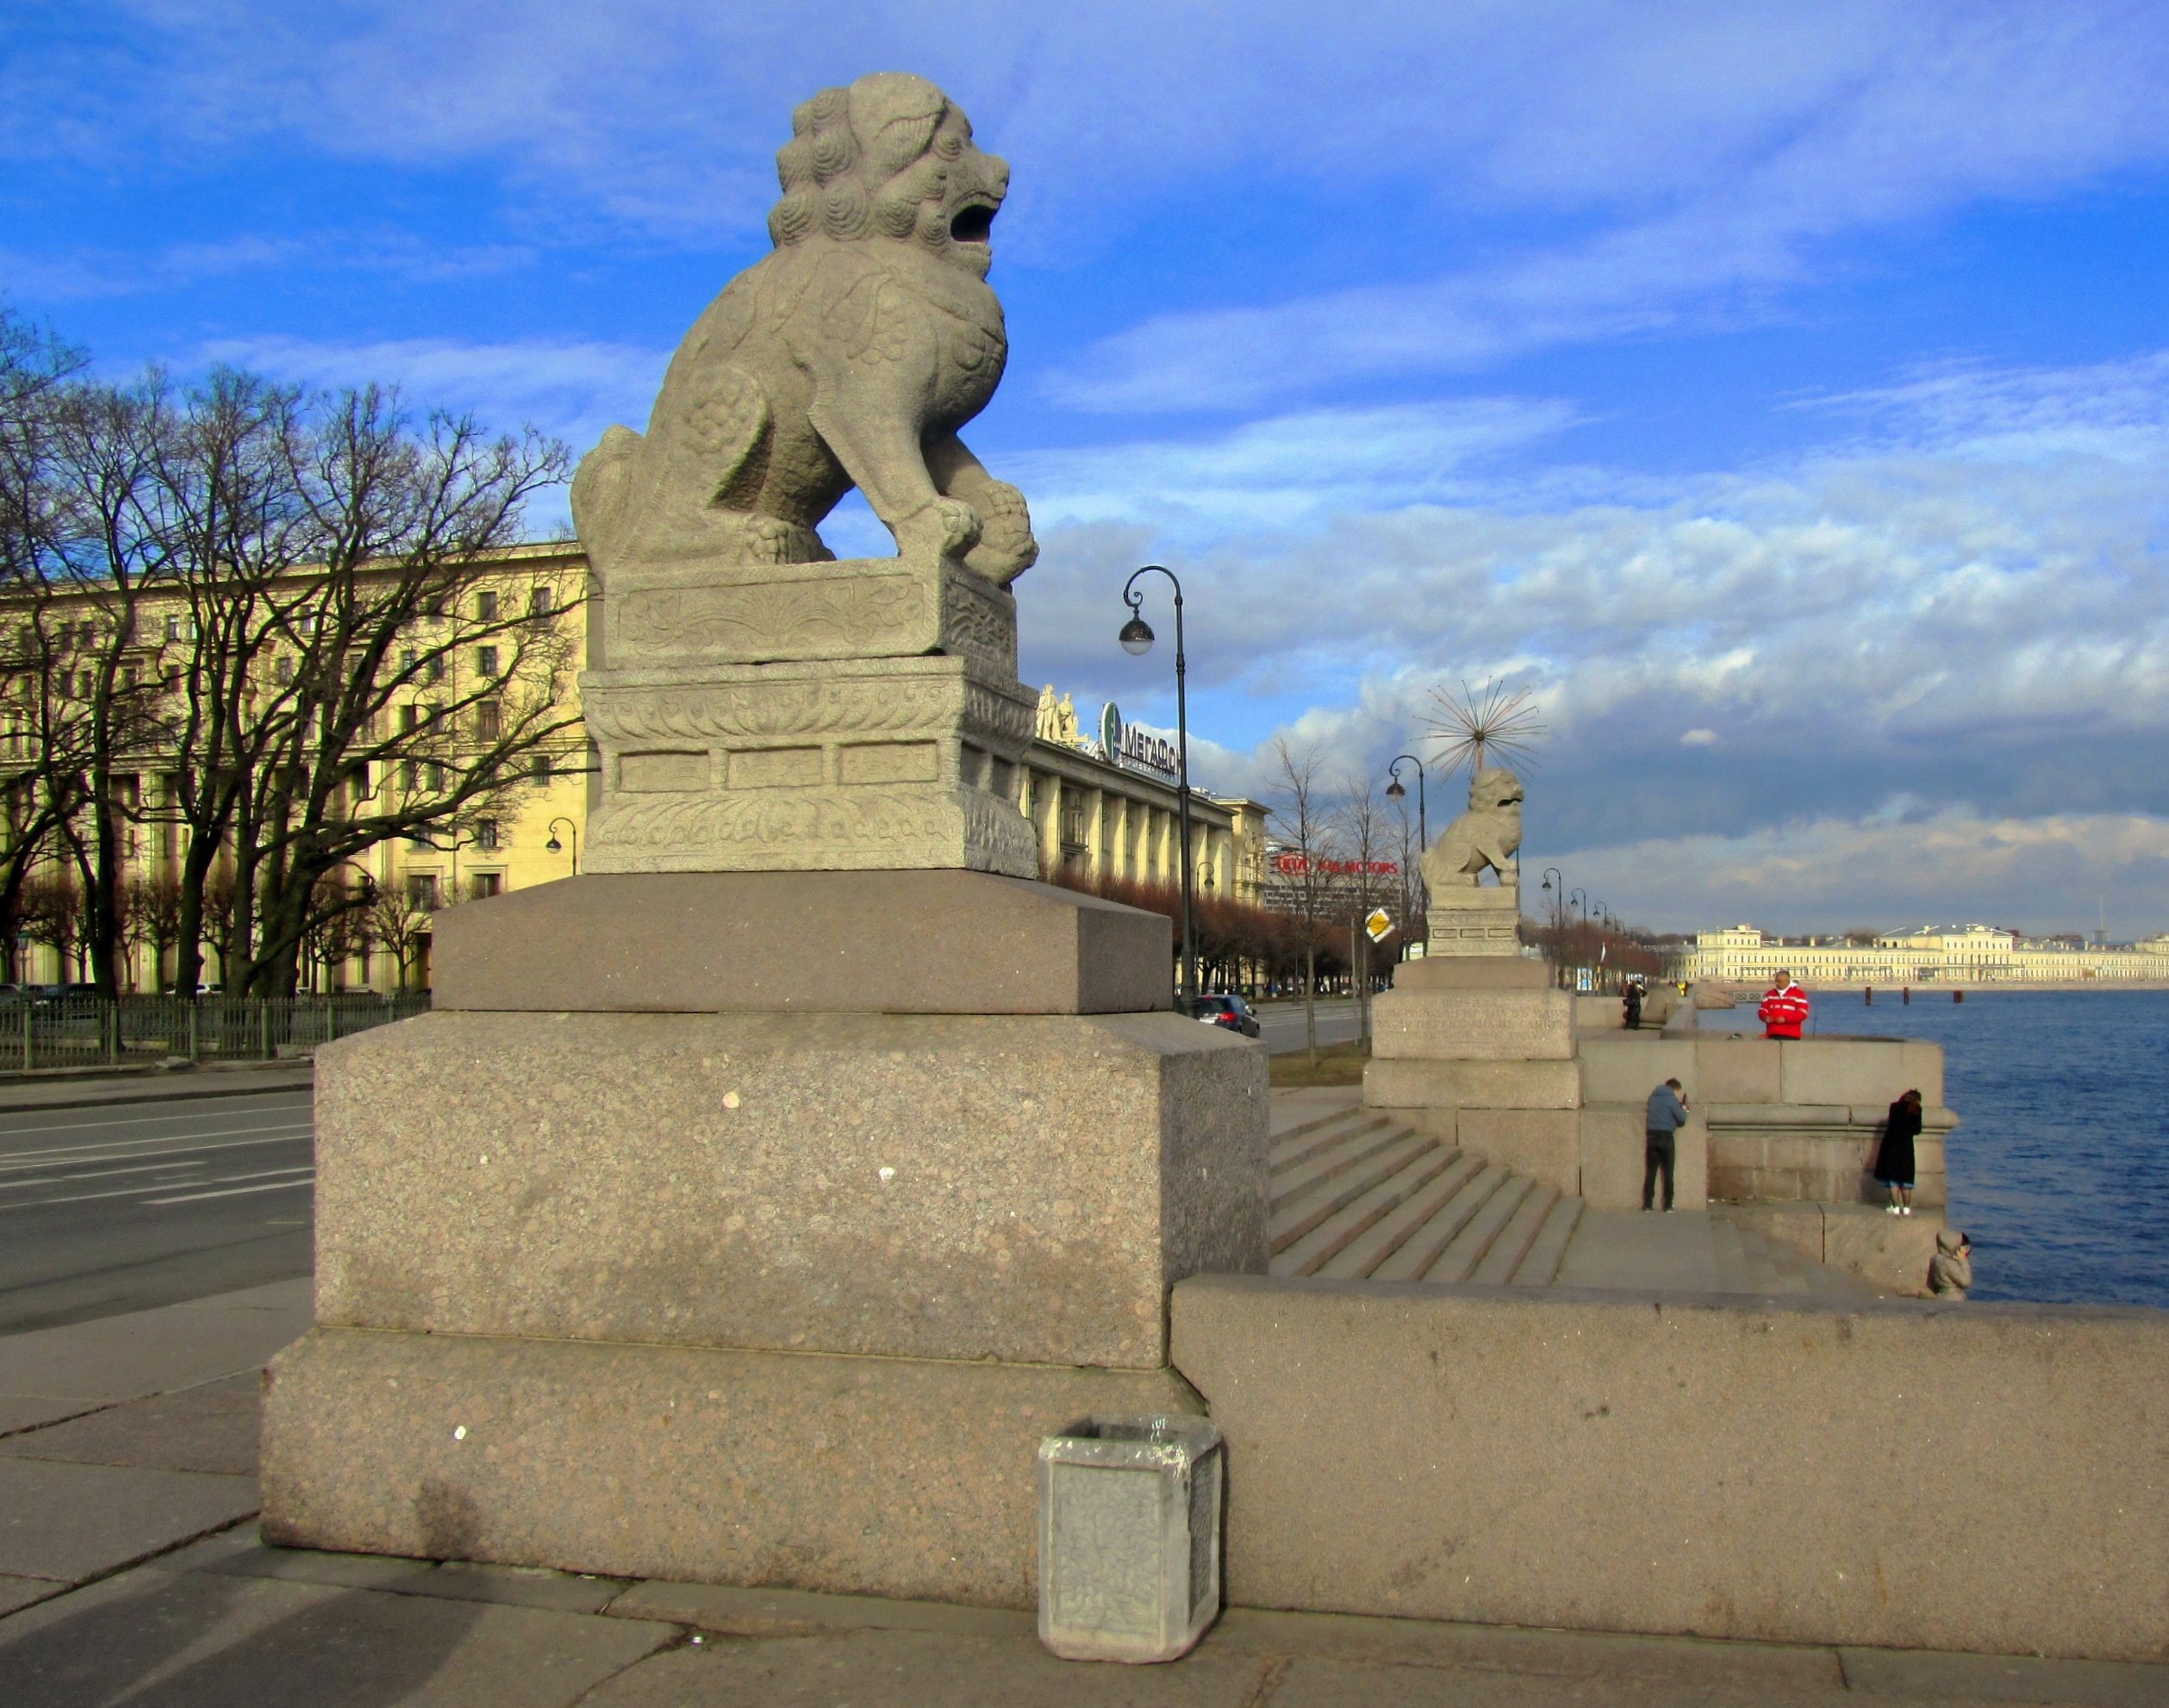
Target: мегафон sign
{"type": "Point", "coordinates": [1139, 749]}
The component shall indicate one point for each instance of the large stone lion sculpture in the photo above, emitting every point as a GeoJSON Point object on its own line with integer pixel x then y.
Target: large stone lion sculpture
{"type": "Point", "coordinates": [849, 357]}
{"type": "Point", "coordinates": [1487, 835]}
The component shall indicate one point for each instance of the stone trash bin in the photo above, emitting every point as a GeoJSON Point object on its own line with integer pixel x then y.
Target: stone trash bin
{"type": "Point", "coordinates": [1130, 1538]}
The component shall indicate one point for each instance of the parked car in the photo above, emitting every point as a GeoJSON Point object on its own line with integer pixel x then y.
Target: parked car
{"type": "Point", "coordinates": [1223, 1009]}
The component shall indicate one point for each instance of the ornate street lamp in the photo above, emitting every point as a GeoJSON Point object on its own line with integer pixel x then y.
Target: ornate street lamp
{"type": "Point", "coordinates": [558, 847]}
{"type": "Point", "coordinates": [1395, 791]}
{"type": "Point", "coordinates": [1136, 641]}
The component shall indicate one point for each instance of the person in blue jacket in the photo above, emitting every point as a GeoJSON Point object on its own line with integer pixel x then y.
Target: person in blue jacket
{"type": "Point", "coordinates": [1660, 1148]}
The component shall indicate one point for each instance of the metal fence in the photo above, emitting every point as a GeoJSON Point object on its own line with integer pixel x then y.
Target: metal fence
{"type": "Point", "coordinates": [85, 1031]}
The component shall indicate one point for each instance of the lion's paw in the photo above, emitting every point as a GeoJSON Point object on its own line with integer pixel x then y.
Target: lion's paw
{"type": "Point", "coordinates": [946, 527]}
{"type": "Point", "coordinates": [1006, 548]}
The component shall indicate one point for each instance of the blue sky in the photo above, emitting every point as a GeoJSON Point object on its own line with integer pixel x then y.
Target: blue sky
{"type": "Point", "coordinates": [1780, 393]}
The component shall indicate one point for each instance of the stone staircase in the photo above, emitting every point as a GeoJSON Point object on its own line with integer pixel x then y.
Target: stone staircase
{"type": "Point", "coordinates": [1358, 1196]}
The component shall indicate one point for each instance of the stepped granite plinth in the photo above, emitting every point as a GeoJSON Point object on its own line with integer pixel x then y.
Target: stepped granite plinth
{"type": "Point", "coordinates": [628, 1252]}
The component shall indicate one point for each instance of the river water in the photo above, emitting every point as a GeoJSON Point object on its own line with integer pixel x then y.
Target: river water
{"type": "Point", "coordinates": [2060, 1171]}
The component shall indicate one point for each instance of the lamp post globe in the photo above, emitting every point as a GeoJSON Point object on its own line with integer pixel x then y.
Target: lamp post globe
{"type": "Point", "coordinates": [1137, 637]}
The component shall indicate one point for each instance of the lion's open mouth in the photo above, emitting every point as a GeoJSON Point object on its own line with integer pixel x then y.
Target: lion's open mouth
{"type": "Point", "coordinates": [974, 220]}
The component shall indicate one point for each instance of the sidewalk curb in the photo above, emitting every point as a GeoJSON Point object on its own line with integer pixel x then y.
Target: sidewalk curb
{"type": "Point", "coordinates": [165, 1089]}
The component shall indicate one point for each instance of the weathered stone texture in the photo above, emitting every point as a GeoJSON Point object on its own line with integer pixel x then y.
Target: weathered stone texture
{"type": "Point", "coordinates": [1022, 1187]}
{"type": "Point", "coordinates": [892, 943]}
{"type": "Point", "coordinates": [1473, 1025]}
{"type": "Point", "coordinates": [873, 763]}
{"type": "Point", "coordinates": [1403, 1082]}
{"type": "Point", "coordinates": [1973, 1476]}
{"type": "Point", "coordinates": [867, 1476]}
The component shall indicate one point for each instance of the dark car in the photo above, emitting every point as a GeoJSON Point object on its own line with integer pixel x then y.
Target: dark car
{"type": "Point", "coordinates": [1231, 1011]}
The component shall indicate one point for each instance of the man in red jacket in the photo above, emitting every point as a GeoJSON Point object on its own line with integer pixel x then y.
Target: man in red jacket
{"type": "Point", "coordinates": [1784, 1010]}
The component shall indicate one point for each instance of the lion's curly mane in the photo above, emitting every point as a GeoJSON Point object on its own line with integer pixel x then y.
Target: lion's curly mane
{"type": "Point", "coordinates": [877, 164]}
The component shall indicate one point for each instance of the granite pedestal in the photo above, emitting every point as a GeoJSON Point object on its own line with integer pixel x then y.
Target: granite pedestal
{"type": "Point", "coordinates": [781, 1297]}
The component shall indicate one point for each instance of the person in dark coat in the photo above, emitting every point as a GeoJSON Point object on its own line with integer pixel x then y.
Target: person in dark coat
{"type": "Point", "coordinates": [1894, 1160]}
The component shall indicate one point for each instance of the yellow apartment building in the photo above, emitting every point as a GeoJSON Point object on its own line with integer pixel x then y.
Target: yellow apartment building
{"type": "Point", "coordinates": [1104, 817]}
{"type": "Point", "coordinates": [1932, 955]}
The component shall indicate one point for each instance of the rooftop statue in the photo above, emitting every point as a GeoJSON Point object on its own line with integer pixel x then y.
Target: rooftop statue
{"type": "Point", "coordinates": [849, 357]}
{"type": "Point", "coordinates": [1487, 835]}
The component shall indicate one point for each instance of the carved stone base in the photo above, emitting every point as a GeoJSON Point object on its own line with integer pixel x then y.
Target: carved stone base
{"type": "Point", "coordinates": [695, 611]}
{"type": "Point", "coordinates": [1473, 920]}
{"type": "Point", "coordinates": [850, 765]}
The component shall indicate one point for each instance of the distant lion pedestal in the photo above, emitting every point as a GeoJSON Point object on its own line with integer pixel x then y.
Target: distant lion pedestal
{"type": "Point", "coordinates": [661, 1264]}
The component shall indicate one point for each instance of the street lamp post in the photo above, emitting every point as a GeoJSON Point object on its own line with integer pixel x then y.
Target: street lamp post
{"type": "Point", "coordinates": [1558, 894]}
{"type": "Point", "coordinates": [1395, 791]}
{"type": "Point", "coordinates": [1137, 640]}
{"type": "Point", "coordinates": [558, 847]}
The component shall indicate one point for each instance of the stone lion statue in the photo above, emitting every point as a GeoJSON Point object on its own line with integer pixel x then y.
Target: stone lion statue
{"type": "Point", "coordinates": [849, 357]}
{"type": "Point", "coordinates": [1487, 835]}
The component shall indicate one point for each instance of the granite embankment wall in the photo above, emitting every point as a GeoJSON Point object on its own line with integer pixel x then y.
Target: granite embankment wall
{"type": "Point", "coordinates": [1981, 1477]}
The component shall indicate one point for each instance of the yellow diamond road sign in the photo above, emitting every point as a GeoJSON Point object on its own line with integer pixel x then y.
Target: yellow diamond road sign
{"type": "Point", "coordinates": [1378, 924]}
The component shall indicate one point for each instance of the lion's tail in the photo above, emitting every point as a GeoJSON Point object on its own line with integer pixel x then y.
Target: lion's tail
{"type": "Point", "coordinates": [602, 491]}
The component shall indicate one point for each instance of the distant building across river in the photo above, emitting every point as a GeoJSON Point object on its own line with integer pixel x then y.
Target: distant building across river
{"type": "Point", "coordinates": [1951, 955]}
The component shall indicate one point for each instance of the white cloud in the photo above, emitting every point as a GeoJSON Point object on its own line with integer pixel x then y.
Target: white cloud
{"type": "Point", "coordinates": [2058, 873]}
{"type": "Point", "coordinates": [1958, 611]}
{"type": "Point", "coordinates": [572, 389]}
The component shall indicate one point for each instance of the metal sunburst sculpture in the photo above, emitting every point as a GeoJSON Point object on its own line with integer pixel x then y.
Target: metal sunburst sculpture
{"type": "Point", "coordinates": [1477, 725]}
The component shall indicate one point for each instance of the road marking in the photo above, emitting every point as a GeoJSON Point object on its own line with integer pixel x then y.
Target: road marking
{"type": "Point", "coordinates": [99, 1174]}
{"type": "Point", "coordinates": [159, 1186]}
{"type": "Point", "coordinates": [234, 1191]}
{"type": "Point", "coordinates": [184, 1145]}
{"type": "Point", "coordinates": [138, 1120]}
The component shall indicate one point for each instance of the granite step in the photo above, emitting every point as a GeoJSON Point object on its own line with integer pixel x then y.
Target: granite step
{"type": "Point", "coordinates": [1459, 1260]}
{"type": "Point", "coordinates": [1353, 1149]}
{"type": "Point", "coordinates": [1295, 1213]}
{"type": "Point", "coordinates": [1307, 1255]}
{"type": "Point", "coordinates": [1414, 1256]}
{"type": "Point", "coordinates": [1290, 1149]}
{"type": "Point", "coordinates": [1360, 1258]}
{"type": "Point", "coordinates": [1540, 1267]}
{"type": "Point", "coordinates": [1513, 1240]}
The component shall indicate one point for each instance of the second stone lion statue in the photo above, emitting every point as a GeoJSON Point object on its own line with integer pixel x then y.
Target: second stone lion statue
{"type": "Point", "coordinates": [849, 357]}
{"type": "Point", "coordinates": [1487, 835]}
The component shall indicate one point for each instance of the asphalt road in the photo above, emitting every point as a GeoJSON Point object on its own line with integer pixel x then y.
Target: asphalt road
{"type": "Point", "coordinates": [1281, 1023]}
{"type": "Point", "coordinates": [137, 1205]}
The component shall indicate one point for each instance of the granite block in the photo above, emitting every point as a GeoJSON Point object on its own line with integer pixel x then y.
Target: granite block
{"type": "Point", "coordinates": [865, 1476]}
{"type": "Point", "coordinates": [1473, 1025]}
{"type": "Point", "coordinates": [1408, 1083]}
{"type": "Point", "coordinates": [908, 1185]}
{"type": "Point", "coordinates": [897, 943]}
{"type": "Point", "coordinates": [1544, 1144]}
{"type": "Point", "coordinates": [1977, 1476]}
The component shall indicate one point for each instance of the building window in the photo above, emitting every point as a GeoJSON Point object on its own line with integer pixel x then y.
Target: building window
{"type": "Point", "coordinates": [486, 884]}
{"type": "Point", "coordinates": [489, 721]}
{"type": "Point", "coordinates": [173, 626]}
{"type": "Point", "coordinates": [486, 606]}
{"type": "Point", "coordinates": [541, 770]}
{"type": "Point", "coordinates": [486, 833]}
{"type": "Point", "coordinates": [486, 660]}
{"type": "Point", "coordinates": [410, 661]}
{"type": "Point", "coordinates": [283, 667]}
{"type": "Point", "coordinates": [540, 602]}
{"type": "Point", "coordinates": [421, 891]}
{"type": "Point", "coordinates": [411, 717]}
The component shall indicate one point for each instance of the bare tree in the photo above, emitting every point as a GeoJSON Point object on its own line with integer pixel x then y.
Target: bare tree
{"type": "Point", "coordinates": [1300, 810]}
{"type": "Point", "coordinates": [357, 669]}
{"type": "Point", "coordinates": [1364, 832]}
{"type": "Point", "coordinates": [398, 921]}
{"type": "Point", "coordinates": [152, 906]}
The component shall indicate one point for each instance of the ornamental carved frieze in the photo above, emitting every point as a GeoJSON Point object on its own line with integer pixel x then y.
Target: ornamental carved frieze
{"type": "Point", "coordinates": [813, 829]}
{"type": "Point", "coordinates": [868, 615]}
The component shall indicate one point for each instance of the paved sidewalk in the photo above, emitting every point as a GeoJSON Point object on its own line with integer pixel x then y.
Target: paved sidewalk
{"type": "Point", "coordinates": [134, 1575]}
